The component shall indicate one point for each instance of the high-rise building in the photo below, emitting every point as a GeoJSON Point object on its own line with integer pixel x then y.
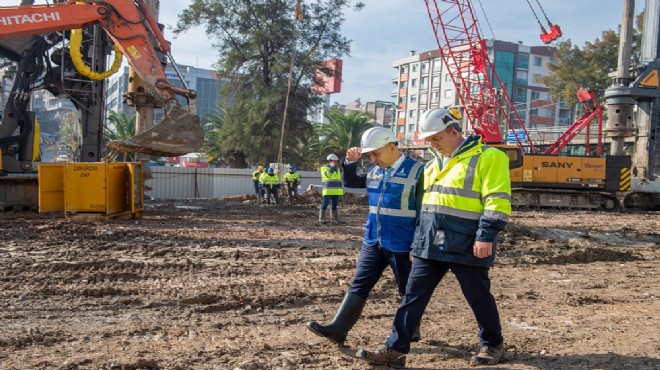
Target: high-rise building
{"type": "Point", "coordinates": [422, 82]}
{"type": "Point", "coordinates": [204, 81]}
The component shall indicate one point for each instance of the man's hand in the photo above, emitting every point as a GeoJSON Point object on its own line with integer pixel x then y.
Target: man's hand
{"type": "Point", "coordinates": [482, 249]}
{"type": "Point", "coordinates": [353, 154]}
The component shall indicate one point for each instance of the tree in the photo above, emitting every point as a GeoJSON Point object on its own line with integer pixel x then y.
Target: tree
{"type": "Point", "coordinates": [587, 67]}
{"type": "Point", "coordinates": [342, 131]}
{"type": "Point", "coordinates": [261, 46]}
{"type": "Point", "coordinates": [119, 127]}
{"type": "Point", "coordinates": [70, 135]}
{"type": "Point", "coordinates": [212, 146]}
{"type": "Point", "coordinates": [7, 75]}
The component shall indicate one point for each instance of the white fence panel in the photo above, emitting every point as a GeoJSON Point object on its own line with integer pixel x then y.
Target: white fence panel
{"type": "Point", "coordinates": [183, 182]}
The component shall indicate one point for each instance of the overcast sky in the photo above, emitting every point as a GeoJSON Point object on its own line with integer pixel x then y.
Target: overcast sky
{"type": "Point", "coordinates": [386, 30]}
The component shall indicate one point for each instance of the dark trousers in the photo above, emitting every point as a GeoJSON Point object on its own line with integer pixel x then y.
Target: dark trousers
{"type": "Point", "coordinates": [425, 276]}
{"type": "Point", "coordinates": [274, 190]}
{"type": "Point", "coordinates": [256, 188]}
{"type": "Point", "coordinates": [371, 263]}
{"type": "Point", "coordinates": [330, 198]}
{"type": "Point", "coordinates": [292, 191]}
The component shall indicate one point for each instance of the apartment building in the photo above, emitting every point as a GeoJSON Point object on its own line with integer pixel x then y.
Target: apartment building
{"type": "Point", "coordinates": [382, 111]}
{"type": "Point", "coordinates": [421, 83]}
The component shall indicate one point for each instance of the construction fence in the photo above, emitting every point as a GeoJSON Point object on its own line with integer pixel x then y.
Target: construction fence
{"type": "Point", "coordinates": [186, 183]}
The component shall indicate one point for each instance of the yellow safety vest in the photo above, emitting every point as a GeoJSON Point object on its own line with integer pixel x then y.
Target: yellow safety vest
{"type": "Point", "coordinates": [331, 182]}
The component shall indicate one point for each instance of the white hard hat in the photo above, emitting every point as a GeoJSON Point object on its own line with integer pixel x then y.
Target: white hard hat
{"type": "Point", "coordinates": [376, 138]}
{"type": "Point", "coordinates": [332, 157]}
{"type": "Point", "coordinates": [436, 120]}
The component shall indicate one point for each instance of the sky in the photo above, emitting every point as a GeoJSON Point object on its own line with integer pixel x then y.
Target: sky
{"type": "Point", "coordinates": [387, 30]}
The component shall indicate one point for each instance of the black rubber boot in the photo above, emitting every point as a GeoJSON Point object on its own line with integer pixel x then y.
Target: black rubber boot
{"type": "Point", "coordinates": [335, 215]}
{"type": "Point", "coordinates": [322, 215]}
{"type": "Point", "coordinates": [348, 314]}
{"type": "Point", "coordinates": [416, 336]}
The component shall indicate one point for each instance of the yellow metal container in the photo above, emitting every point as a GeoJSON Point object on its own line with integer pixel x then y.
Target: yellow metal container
{"type": "Point", "coordinates": [51, 187]}
{"type": "Point", "coordinates": [107, 189]}
{"type": "Point", "coordinates": [95, 187]}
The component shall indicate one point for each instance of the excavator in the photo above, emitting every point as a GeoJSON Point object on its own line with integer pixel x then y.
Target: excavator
{"type": "Point", "coordinates": [37, 37]}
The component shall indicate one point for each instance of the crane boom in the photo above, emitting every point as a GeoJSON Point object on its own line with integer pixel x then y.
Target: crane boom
{"type": "Point", "coordinates": [464, 53]}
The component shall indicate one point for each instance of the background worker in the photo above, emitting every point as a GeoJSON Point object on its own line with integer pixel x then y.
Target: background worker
{"type": "Point", "coordinates": [271, 184]}
{"type": "Point", "coordinates": [262, 188]}
{"type": "Point", "coordinates": [394, 189]}
{"type": "Point", "coordinates": [332, 187]}
{"type": "Point", "coordinates": [292, 179]}
{"type": "Point", "coordinates": [255, 179]}
{"type": "Point", "coordinates": [466, 203]}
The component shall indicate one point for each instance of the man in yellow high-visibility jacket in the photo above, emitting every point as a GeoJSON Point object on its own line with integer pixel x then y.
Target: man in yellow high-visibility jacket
{"type": "Point", "coordinates": [332, 187]}
{"type": "Point", "coordinates": [466, 203]}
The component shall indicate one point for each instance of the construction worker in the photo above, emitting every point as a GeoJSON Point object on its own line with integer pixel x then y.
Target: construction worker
{"type": "Point", "coordinates": [262, 188]}
{"type": "Point", "coordinates": [332, 187]}
{"type": "Point", "coordinates": [394, 185]}
{"type": "Point", "coordinates": [255, 179]}
{"type": "Point", "coordinates": [271, 184]}
{"type": "Point", "coordinates": [466, 203]}
{"type": "Point", "coordinates": [292, 179]}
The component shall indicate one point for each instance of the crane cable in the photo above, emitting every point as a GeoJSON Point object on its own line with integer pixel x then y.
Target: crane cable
{"type": "Point", "coordinates": [542, 11]}
{"type": "Point", "coordinates": [536, 16]}
{"type": "Point", "coordinates": [486, 17]}
{"type": "Point", "coordinates": [562, 56]}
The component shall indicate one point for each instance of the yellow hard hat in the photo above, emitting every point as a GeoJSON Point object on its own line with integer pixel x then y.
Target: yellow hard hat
{"type": "Point", "coordinates": [260, 168]}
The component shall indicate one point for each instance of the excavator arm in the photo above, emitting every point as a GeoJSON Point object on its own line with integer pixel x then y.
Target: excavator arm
{"type": "Point", "coordinates": [129, 24]}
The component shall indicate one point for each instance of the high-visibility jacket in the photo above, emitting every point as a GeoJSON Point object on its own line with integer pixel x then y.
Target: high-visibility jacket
{"type": "Point", "coordinates": [270, 181]}
{"type": "Point", "coordinates": [467, 197]}
{"type": "Point", "coordinates": [392, 206]}
{"type": "Point", "coordinates": [292, 179]}
{"type": "Point", "coordinates": [331, 181]}
{"type": "Point", "coordinates": [256, 175]}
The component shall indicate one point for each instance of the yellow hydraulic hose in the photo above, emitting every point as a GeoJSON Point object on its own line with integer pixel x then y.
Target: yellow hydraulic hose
{"type": "Point", "coordinates": [81, 67]}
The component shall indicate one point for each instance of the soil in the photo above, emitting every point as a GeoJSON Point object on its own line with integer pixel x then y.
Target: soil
{"type": "Point", "coordinates": [229, 284]}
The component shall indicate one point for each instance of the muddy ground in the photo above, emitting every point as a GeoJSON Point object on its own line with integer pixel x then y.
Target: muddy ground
{"type": "Point", "coordinates": [227, 284]}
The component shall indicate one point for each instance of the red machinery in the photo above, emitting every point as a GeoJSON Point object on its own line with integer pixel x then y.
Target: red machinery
{"type": "Point", "coordinates": [538, 179]}
{"type": "Point", "coordinates": [487, 105]}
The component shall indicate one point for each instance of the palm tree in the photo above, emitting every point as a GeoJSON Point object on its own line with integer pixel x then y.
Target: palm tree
{"type": "Point", "coordinates": [212, 146]}
{"type": "Point", "coordinates": [119, 127]}
{"type": "Point", "coordinates": [342, 131]}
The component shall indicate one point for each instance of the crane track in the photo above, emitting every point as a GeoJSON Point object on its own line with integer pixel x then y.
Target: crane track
{"type": "Point", "coordinates": [564, 199]}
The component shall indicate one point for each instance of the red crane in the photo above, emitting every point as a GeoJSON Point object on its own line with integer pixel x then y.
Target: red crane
{"type": "Point", "coordinates": [480, 91]}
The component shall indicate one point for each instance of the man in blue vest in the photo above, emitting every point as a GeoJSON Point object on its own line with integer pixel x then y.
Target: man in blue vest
{"type": "Point", "coordinates": [466, 203]}
{"type": "Point", "coordinates": [394, 189]}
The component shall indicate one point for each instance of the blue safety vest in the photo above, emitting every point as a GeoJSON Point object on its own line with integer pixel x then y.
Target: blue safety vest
{"type": "Point", "coordinates": [392, 206]}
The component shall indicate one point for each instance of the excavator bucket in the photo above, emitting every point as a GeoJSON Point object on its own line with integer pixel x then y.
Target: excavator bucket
{"type": "Point", "coordinates": [176, 134]}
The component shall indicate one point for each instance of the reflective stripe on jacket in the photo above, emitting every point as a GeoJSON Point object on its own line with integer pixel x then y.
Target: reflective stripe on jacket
{"type": "Point", "coordinates": [392, 206]}
{"type": "Point", "coordinates": [256, 175]}
{"type": "Point", "coordinates": [270, 181]}
{"type": "Point", "coordinates": [467, 198]}
{"type": "Point", "coordinates": [331, 182]}
{"type": "Point", "coordinates": [290, 178]}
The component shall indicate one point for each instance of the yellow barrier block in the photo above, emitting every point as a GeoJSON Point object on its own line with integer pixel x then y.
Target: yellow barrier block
{"type": "Point", "coordinates": [107, 189]}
